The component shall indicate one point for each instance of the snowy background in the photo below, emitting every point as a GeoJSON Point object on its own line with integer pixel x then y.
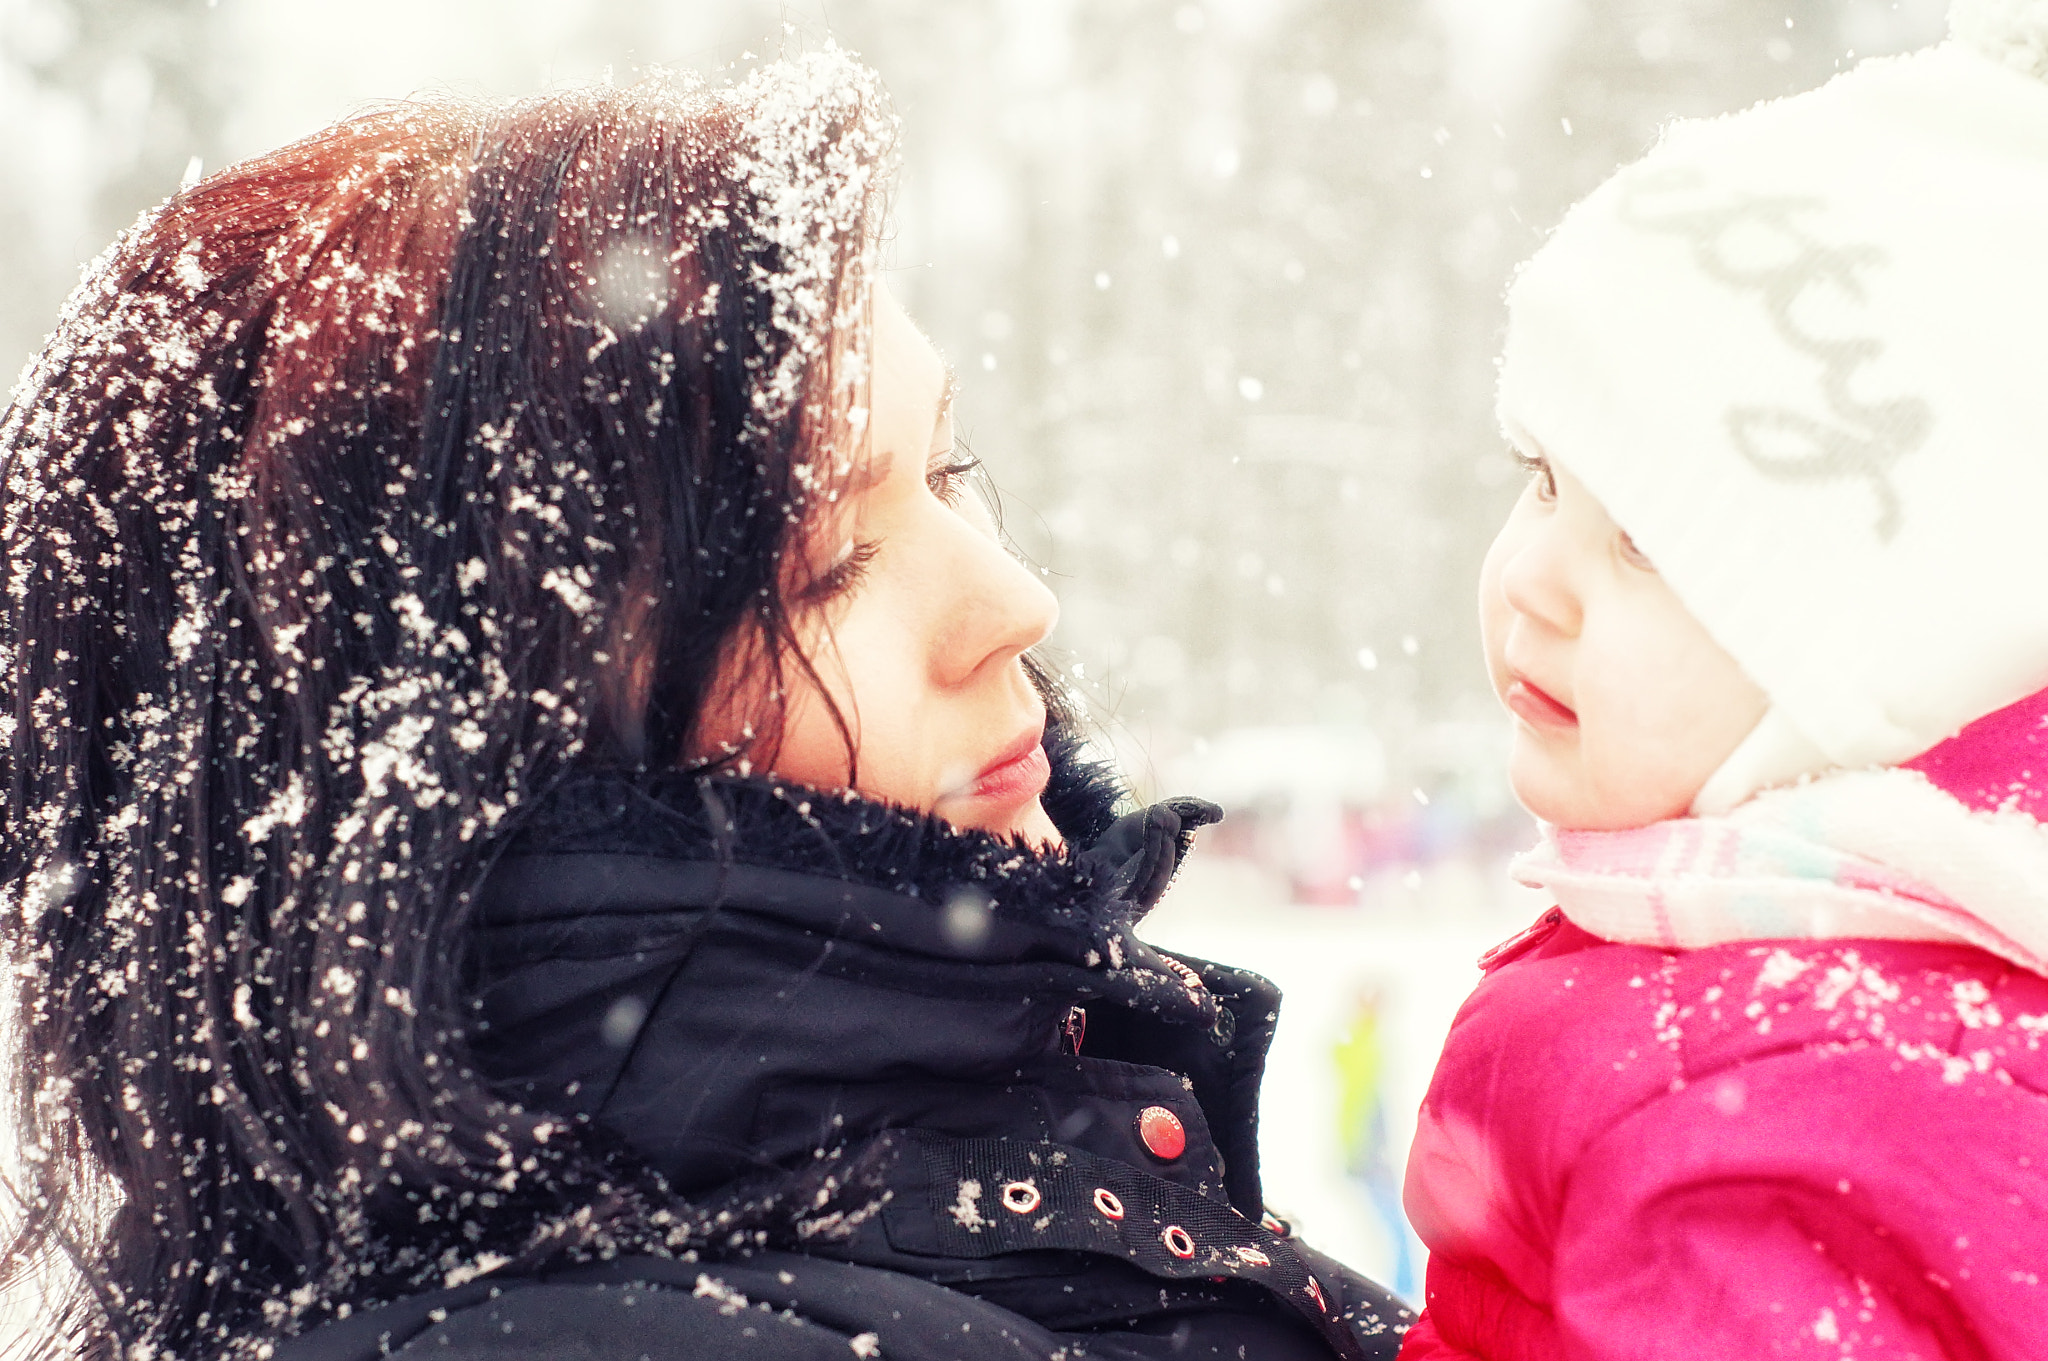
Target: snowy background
{"type": "Point", "coordinates": [1222, 279]}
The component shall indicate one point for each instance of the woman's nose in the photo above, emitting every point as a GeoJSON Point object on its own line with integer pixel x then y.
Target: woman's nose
{"type": "Point", "coordinates": [998, 608]}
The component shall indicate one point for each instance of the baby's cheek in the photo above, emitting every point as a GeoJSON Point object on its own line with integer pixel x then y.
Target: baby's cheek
{"type": "Point", "coordinates": [1722, 708]}
{"type": "Point", "coordinates": [1629, 775]}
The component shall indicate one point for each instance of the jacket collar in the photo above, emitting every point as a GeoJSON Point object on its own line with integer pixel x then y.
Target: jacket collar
{"type": "Point", "coordinates": [728, 974]}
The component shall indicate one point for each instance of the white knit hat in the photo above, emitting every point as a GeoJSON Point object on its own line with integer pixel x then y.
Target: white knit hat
{"type": "Point", "coordinates": [1800, 354]}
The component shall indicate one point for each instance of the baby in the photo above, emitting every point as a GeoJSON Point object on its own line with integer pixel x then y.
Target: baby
{"type": "Point", "coordinates": [1772, 622]}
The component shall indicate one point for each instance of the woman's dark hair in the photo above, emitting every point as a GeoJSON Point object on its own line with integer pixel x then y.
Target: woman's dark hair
{"type": "Point", "coordinates": [364, 491]}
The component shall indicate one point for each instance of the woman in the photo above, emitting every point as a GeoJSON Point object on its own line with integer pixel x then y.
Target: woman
{"type": "Point", "coordinates": [531, 823]}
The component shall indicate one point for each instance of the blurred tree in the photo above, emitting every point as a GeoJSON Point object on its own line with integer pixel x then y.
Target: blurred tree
{"type": "Point", "coordinates": [1224, 280]}
{"type": "Point", "coordinates": [1222, 277]}
{"type": "Point", "coordinates": [119, 97]}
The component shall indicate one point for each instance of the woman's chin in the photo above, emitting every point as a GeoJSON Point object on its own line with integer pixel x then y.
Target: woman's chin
{"type": "Point", "coordinates": [1037, 828]}
{"type": "Point", "coordinates": [1028, 820]}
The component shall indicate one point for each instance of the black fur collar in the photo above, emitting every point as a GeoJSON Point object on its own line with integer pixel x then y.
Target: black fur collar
{"type": "Point", "coordinates": [770, 824]}
{"type": "Point", "coordinates": [665, 953]}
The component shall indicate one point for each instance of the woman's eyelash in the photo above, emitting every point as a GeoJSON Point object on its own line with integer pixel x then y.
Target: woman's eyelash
{"type": "Point", "coordinates": [843, 575]}
{"type": "Point", "coordinates": [946, 479]}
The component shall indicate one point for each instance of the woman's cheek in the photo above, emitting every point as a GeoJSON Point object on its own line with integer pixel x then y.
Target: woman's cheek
{"type": "Point", "coordinates": [875, 689]}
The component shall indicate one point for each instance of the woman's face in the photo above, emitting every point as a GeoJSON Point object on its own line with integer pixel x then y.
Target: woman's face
{"type": "Point", "coordinates": [916, 620]}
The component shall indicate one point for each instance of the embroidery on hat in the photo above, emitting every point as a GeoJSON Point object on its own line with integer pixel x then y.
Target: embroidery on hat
{"type": "Point", "coordinates": [1866, 437]}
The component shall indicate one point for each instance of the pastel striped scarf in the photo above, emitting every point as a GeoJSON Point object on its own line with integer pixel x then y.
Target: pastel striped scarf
{"type": "Point", "coordinates": [1874, 853]}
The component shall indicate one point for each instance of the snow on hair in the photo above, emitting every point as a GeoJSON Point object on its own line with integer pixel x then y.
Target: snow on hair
{"type": "Point", "coordinates": [363, 491]}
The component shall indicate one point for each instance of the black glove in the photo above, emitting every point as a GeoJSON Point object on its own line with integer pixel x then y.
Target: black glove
{"type": "Point", "coordinates": [1137, 857]}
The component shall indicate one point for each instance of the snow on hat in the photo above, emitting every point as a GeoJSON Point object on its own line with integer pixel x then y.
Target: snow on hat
{"type": "Point", "coordinates": [1799, 354]}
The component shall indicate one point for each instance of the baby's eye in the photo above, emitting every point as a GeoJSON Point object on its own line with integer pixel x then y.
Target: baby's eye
{"type": "Point", "coordinates": [1540, 475]}
{"type": "Point", "coordinates": [1634, 556]}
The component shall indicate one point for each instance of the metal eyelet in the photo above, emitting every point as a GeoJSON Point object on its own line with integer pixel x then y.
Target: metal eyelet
{"type": "Point", "coordinates": [1252, 1257]}
{"type": "Point", "coordinates": [1073, 1030]}
{"type": "Point", "coordinates": [1177, 1241]}
{"type": "Point", "coordinates": [1020, 1197]}
{"type": "Point", "coordinates": [1315, 1292]}
{"type": "Point", "coordinates": [1107, 1205]}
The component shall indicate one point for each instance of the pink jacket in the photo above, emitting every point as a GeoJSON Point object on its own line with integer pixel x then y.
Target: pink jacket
{"type": "Point", "coordinates": [1833, 1148]}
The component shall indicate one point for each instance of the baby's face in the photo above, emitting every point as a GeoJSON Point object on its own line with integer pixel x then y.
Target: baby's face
{"type": "Point", "coordinates": [1622, 705]}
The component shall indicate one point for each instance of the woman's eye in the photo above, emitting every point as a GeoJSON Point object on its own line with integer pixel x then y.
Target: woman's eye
{"type": "Point", "coordinates": [844, 574]}
{"type": "Point", "coordinates": [948, 480]}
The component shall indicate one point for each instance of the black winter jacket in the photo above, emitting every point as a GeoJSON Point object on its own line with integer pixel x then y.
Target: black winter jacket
{"type": "Point", "coordinates": [743, 981]}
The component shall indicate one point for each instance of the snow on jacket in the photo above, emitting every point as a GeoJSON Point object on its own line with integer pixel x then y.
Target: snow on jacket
{"type": "Point", "coordinates": [738, 979]}
{"type": "Point", "coordinates": [1833, 1148]}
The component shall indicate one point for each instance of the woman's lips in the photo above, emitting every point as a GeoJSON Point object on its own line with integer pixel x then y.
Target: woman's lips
{"type": "Point", "coordinates": [1530, 704]}
{"type": "Point", "coordinates": [1018, 774]}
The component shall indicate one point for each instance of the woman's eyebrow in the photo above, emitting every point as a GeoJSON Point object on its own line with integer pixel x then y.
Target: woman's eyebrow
{"type": "Point", "coordinates": [872, 471]}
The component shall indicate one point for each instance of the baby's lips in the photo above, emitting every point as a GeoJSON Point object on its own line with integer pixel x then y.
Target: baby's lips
{"type": "Point", "coordinates": [1535, 706]}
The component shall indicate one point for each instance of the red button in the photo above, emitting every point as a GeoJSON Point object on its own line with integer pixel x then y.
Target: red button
{"type": "Point", "coordinates": [1160, 1130]}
